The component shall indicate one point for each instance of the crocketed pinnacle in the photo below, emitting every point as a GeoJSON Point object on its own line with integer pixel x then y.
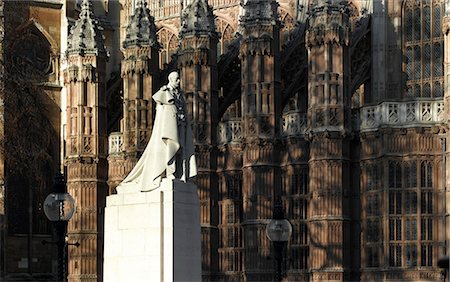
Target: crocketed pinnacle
{"type": "Point", "coordinates": [141, 30]}
{"type": "Point", "coordinates": [198, 19]}
{"type": "Point", "coordinates": [259, 12]}
{"type": "Point", "coordinates": [85, 36]}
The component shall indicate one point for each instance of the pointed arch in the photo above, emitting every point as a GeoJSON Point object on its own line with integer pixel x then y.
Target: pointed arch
{"type": "Point", "coordinates": [353, 13]}
{"type": "Point", "coordinates": [34, 53]}
{"type": "Point", "coordinates": [227, 34]}
{"type": "Point", "coordinates": [288, 26]}
{"type": "Point", "coordinates": [32, 26]}
{"type": "Point", "coordinates": [169, 44]}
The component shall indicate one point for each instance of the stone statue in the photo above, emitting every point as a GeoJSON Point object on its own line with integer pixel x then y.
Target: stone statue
{"type": "Point", "coordinates": [170, 151]}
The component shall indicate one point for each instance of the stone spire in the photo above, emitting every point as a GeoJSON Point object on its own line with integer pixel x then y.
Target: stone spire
{"type": "Point", "coordinates": [85, 36]}
{"type": "Point", "coordinates": [259, 12]}
{"type": "Point", "coordinates": [198, 19]}
{"type": "Point", "coordinates": [141, 30]}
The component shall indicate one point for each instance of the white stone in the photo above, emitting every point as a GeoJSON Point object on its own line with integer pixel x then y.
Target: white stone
{"type": "Point", "coordinates": [153, 236]}
{"type": "Point", "coordinates": [170, 152]}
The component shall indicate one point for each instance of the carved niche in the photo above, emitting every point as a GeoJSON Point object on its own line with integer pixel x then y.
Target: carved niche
{"type": "Point", "coordinates": [32, 56]}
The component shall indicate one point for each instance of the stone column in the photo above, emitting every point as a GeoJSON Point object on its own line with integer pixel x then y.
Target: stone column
{"type": "Point", "coordinates": [445, 129]}
{"type": "Point", "coordinates": [140, 74]}
{"type": "Point", "coordinates": [328, 130]}
{"type": "Point", "coordinates": [86, 145]}
{"type": "Point", "coordinates": [197, 62]}
{"type": "Point", "coordinates": [261, 113]}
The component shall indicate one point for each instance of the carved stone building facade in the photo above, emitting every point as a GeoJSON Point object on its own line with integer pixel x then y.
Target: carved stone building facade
{"type": "Point", "coordinates": [336, 109]}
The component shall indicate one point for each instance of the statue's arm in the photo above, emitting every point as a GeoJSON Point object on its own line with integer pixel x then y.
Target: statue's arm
{"type": "Point", "coordinates": [163, 96]}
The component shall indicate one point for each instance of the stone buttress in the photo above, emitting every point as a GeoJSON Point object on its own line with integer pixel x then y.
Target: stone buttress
{"type": "Point", "coordinates": [86, 145]}
{"type": "Point", "coordinates": [261, 111]}
{"type": "Point", "coordinates": [197, 63]}
{"type": "Point", "coordinates": [140, 74]}
{"type": "Point", "coordinates": [328, 133]}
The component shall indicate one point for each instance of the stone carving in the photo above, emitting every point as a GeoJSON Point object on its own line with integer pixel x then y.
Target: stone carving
{"type": "Point", "coordinates": [170, 151]}
{"type": "Point", "coordinates": [31, 57]}
{"type": "Point", "coordinates": [141, 30]}
{"type": "Point", "coordinates": [335, 31]}
{"type": "Point", "coordinates": [198, 18]}
{"type": "Point", "coordinates": [115, 143]}
{"type": "Point", "coordinates": [402, 114]}
{"type": "Point", "coordinates": [230, 132]}
{"type": "Point", "coordinates": [85, 36]}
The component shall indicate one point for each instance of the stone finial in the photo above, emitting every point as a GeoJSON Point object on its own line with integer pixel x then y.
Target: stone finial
{"type": "Point", "coordinates": [141, 29]}
{"type": "Point", "coordinates": [198, 19]}
{"type": "Point", "coordinates": [85, 36]}
{"type": "Point", "coordinates": [257, 12]}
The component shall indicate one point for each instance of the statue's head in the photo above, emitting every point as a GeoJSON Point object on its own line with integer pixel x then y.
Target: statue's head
{"type": "Point", "coordinates": [174, 80]}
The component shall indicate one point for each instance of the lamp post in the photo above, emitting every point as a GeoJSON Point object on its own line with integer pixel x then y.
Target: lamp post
{"type": "Point", "coordinates": [59, 208]}
{"type": "Point", "coordinates": [443, 263]}
{"type": "Point", "coordinates": [278, 231]}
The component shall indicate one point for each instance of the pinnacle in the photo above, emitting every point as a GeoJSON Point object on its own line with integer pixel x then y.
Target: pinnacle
{"type": "Point", "coordinates": [85, 36]}
{"type": "Point", "coordinates": [259, 11]}
{"type": "Point", "coordinates": [141, 29]}
{"type": "Point", "coordinates": [198, 18]}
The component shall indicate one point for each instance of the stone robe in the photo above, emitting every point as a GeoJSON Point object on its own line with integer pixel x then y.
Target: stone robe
{"type": "Point", "coordinates": [170, 148]}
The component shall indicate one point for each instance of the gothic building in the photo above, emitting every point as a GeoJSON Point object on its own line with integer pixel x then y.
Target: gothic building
{"type": "Point", "coordinates": [336, 109]}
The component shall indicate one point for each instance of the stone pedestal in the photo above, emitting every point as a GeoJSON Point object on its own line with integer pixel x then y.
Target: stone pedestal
{"type": "Point", "coordinates": [153, 236]}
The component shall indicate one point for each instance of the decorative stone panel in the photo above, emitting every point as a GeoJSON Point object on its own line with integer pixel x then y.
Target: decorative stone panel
{"type": "Point", "coordinates": [402, 114]}
{"type": "Point", "coordinates": [115, 143]}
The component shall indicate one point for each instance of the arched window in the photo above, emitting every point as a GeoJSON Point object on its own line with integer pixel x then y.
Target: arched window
{"type": "Point", "coordinates": [423, 48]}
{"type": "Point", "coordinates": [288, 25]}
{"type": "Point", "coordinates": [169, 45]}
{"type": "Point", "coordinates": [227, 32]}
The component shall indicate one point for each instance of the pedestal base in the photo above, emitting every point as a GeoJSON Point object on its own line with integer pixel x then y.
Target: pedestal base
{"type": "Point", "coordinates": [153, 236]}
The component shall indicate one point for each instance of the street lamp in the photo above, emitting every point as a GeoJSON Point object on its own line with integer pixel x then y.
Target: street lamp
{"type": "Point", "coordinates": [59, 208]}
{"type": "Point", "coordinates": [278, 231]}
{"type": "Point", "coordinates": [443, 263]}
